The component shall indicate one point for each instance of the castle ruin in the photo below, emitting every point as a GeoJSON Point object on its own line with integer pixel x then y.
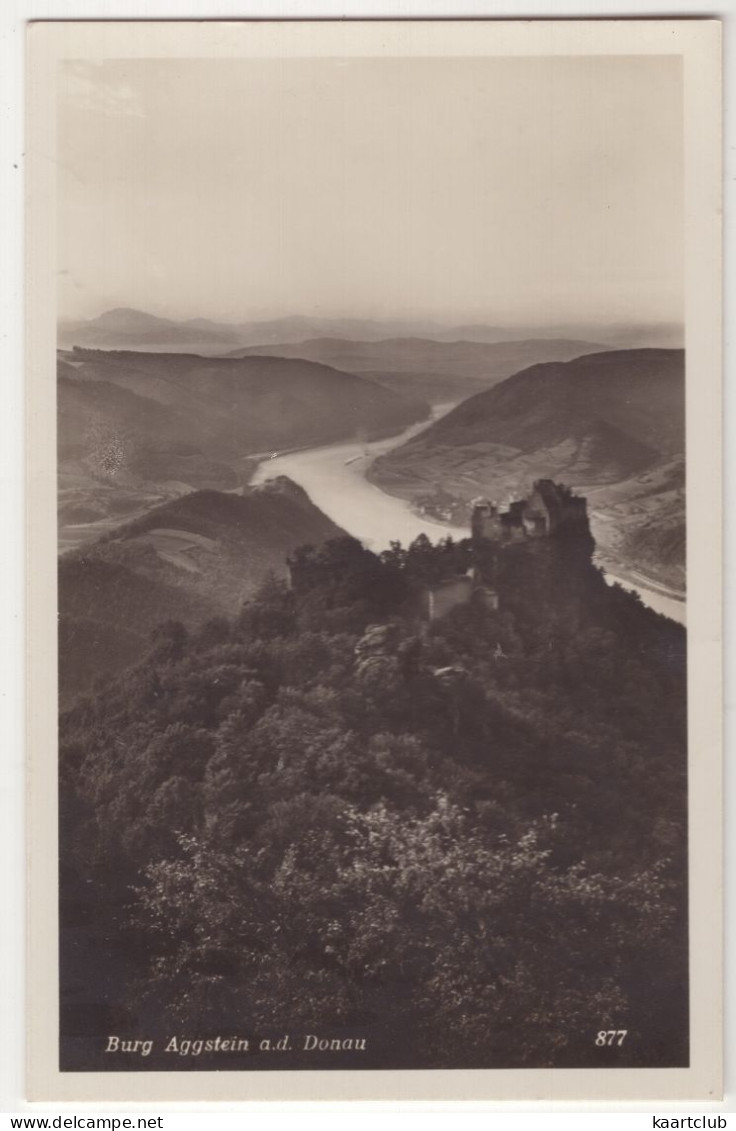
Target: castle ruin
{"type": "Point", "coordinates": [551, 508]}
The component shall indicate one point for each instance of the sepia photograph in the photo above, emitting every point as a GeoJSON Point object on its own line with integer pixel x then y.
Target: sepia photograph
{"type": "Point", "coordinates": [380, 617]}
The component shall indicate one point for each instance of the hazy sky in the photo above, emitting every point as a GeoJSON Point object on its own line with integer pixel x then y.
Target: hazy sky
{"type": "Point", "coordinates": [461, 189]}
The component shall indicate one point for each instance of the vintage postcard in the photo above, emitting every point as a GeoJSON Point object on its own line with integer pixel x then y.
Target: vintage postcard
{"type": "Point", "coordinates": [374, 556]}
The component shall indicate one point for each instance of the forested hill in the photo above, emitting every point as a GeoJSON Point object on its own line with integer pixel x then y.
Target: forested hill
{"type": "Point", "coordinates": [612, 424]}
{"type": "Point", "coordinates": [463, 843]}
{"type": "Point", "coordinates": [190, 559]}
{"type": "Point", "coordinates": [137, 428]}
{"type": "Point", "coordinates": [228, 407]}
{"type": "Point", "coordinates": [638, 393]}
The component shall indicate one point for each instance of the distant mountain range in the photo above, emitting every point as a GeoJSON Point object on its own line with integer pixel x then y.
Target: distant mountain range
{"type": "Point", "coordinates": [126, 328]}
{"type": "Point", "coordinates": [610, 424]}
{"type": "Point", "coordinates": [437, 371]}
{"type": "Point", "coordinates": [138, 428]}
{"type": "Point", "coordinates": [188, 560]}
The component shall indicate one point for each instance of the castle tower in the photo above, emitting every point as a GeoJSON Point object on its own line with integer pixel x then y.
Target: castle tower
{"type": "Point", "coordinates": [549, 508]}
{"type": "Point", "coordinates": [485, 521]}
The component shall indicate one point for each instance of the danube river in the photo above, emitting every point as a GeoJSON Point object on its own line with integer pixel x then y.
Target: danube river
{"type": "Point", "coordinates": [334, 479]}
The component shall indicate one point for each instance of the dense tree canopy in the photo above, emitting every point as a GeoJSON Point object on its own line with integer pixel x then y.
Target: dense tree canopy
{"type": "Point", "coordinates": [463, 841]}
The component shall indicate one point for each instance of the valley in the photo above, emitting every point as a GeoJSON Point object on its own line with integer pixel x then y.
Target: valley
{"type": "Point", "coordinates": [337, 479]}
{"type": "Point", "coordinates": [610, 425]}
{"type": "Point", "coordinates": [184, 480]}
{"type": "Point", "coordinates": [136, 429]}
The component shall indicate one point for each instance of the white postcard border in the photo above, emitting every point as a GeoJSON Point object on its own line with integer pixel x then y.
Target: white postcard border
{"type": "Point", "coordinates": [698, 41]}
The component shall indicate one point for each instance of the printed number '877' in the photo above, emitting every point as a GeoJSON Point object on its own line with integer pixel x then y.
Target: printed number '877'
{"type": "Point", "coordinates": [611, 1037]}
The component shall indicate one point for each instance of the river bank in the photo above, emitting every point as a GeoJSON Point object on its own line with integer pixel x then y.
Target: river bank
{"type": "Point", "coordinates": [656, 598]}
{"type": "Point", "coordinates": [334, 477]}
